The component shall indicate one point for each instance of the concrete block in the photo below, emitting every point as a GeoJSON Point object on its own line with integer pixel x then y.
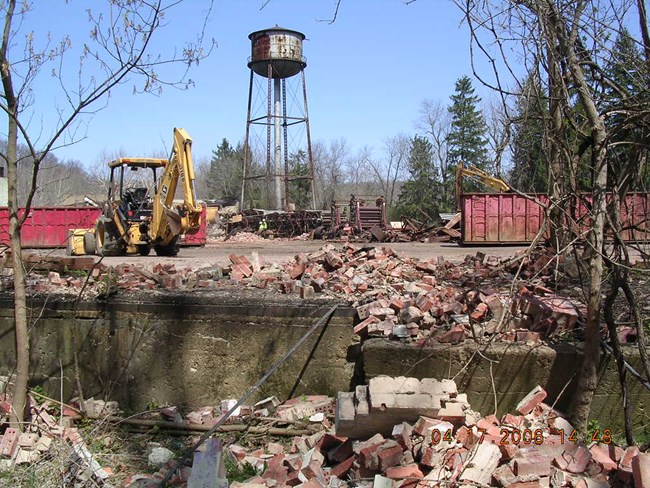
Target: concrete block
{"type": "Point", "coordinates": [402, 434]}
{"type": "Point", "coordinates": [481, 463]}
{"type": "Point", "coordinates": [361, 402]}
{"type": "Point", "coordinates": [344, 418]}
{"type": "Point", "coordinates": [382, 384]}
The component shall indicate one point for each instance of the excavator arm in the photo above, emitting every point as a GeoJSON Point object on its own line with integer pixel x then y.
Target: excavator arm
{"type": "Point", "coordinates": [169, 221]}
{"type": "Point", "coordinates": [477, 174]}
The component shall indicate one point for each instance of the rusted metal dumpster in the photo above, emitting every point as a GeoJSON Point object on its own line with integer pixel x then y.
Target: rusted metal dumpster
{"type": "Point", "coordinates": [48, 227]}
{"type": "Point", "coordinates": [508, 218]}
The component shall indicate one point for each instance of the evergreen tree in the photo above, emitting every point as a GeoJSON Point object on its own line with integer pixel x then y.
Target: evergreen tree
{"type": "Point", "coordinates": [626, 97]}
{"type": "Point", "coordinates": [225, 173]}
{"type": "Point", "coordinates": [421, 193]}
{"type": "Point", "coordinates": [299, 188]}
{"type": "Point", "coordinates": [530, 164]}
{"type": "Point", "coordinates": [466, 141]}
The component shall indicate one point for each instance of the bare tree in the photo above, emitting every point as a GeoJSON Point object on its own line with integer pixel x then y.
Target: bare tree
{"type": "Point", "coordinates": [118, 48]}
{"type": "Point", "coordinates": [390, 168]}
{"type": "Point", "coordinates": [329, 167]}
{"type": "Point", "coordinates": [568, 41]}
{"type": "Point", "coordinates": [435, 122]}
{"type": "Point", "coordinates": [498, 132]}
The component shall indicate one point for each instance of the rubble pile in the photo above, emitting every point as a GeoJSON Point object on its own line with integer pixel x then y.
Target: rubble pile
{"type": "Point", "coordinates": [47, 432]}
{"type": "Point", "coordinates": [244, 237]}
{"type": "Point", "coordinates": [394, 296]}
{"type": "Point", "coordinates": [394, 432]}
{"type": "Point", "coordinates": [449, 446]}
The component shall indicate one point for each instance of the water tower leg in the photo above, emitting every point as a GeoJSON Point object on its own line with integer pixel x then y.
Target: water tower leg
{"type": "Point", "coordinates": [247, 154]}
{"type": "Point", "coordinates": [310, 154]}
{"type": "Point", "coordinates": [278, 143]}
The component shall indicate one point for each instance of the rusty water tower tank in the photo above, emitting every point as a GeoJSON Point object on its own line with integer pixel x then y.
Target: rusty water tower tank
{"type": "Point", "coordinates": [279, 48]}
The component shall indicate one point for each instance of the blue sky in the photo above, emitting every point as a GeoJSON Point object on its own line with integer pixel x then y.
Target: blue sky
{"type": "Point", "coordinates": [366, 74]}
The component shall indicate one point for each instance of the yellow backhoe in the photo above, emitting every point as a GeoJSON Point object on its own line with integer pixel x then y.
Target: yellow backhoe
{"type": "Point", "coordinates": [139, 213]}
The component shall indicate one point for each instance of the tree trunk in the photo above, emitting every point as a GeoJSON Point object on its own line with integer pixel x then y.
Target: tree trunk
{"type": "Point", "coordinates": [20, 299]}
{"type": "Point", "coordinates": [588, 379]}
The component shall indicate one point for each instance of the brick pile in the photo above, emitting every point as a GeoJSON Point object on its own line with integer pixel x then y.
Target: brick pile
{"type": "Point", "coordinates": [47, 429]}
{"type": "Point", "coordinates": [399, 297]}
{"type": "Point", "coordinates": [534, 448]}
{"type": "Point", "coordinates": [244, 237]}
{"type": "Point", "coordinates": [397, 432]}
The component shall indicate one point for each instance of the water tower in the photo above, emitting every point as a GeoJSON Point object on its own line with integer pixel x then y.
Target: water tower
{"type": "Point", "coordinates": [278, 142]}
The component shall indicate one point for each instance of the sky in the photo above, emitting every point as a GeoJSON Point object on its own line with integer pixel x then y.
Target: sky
{"type": "Point", "coordinates": [366, 73]}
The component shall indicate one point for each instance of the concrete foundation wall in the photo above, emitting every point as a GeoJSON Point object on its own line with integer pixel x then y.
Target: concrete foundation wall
{"type": "Point", "coordinates": [197, 349]}
{"type": "Point", "coordinates": [159, 353]}
{"type": "Point", "coordinates": [505, 373]}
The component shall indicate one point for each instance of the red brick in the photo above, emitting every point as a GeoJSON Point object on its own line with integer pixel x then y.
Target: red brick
{"type": "Point", "coordinates": [276, 470]}
{"type": "Point", "coordinates": [402, 434]}
{"type": "Point", "coordinates": [389, 456]}
{"type": "Point", "coordinates": [455, 334]}
{"type": "Point", "coordinates": [508, 451]}
{"type": "Point", "coordinates": [530, 401]}
{"type": "Point", "coordinates": [574, 459]}
{"type": "Point", "coordinates": [600, 455]}
{"type": "Point", "coordinates": [342, 469]}
{"type": "Point", "coordinates": [641, 470]}
{"type": "Point", "coordinates": [365, 323]}
{"type": "Point", "coordinates": [9, 443]}
{"type": "Point", "coordinates": [425, 426]}
{"type": "Point", "coordinates": [531, 462]}
{"type": "Point", "coordinates": [401, 472]}
{"type": "Point", "coordinates": [397, 304]}
{"type": "Point", "coordinates": [368, 452]}
{"type": "Point", "coordinates": [628, 456]}
{"type": "Point", "coordinates": [431, 457]}
{"type": "Point", "coordinates": [466, 437]}
{"type": "Point", "coordinates": [480, 312]}
{"type": "Point", "coordinates": [296, 270]}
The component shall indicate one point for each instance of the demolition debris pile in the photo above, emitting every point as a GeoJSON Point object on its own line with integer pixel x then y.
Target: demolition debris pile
{"type": "Point", "coordinates": [395, 432]}
{"type": "Point", "coordinates": [394, 296]}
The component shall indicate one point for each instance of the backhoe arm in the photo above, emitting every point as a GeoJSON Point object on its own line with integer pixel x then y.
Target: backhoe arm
{"type": "Point", "coordinates": [168, 222]}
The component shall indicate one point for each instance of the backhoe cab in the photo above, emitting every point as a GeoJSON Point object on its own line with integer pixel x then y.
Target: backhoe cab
{"type": "Point", "coordinates": [139, 213]}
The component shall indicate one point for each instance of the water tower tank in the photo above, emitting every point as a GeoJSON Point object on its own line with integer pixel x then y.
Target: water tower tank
{"type": "Point", "coordinates": [281, 48]}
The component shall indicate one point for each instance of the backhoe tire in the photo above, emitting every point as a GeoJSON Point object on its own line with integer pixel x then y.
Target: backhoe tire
{"type": "Point", "coordinates": [89, 243]}
{"type": "Point", "coordinates": [105, 243]}
{"type": "Point", "coordinates": [170, 250]}
{"type": "Point", "coordinates": [144, 250]}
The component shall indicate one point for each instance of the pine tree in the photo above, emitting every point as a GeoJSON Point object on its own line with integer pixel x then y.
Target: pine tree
{"type": "Point", "coordinates": [466, 141]}
{"type": "Point", "coordinates": [421, 192]}
{"type": "Point", "coordinates": [225, 173]}
{"type": "Point", "coordinates": [530, 164]}
{"type": "Point", "coordinates": [299, 188]}
{"type": "Point", "coordinates": [626, 97]}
